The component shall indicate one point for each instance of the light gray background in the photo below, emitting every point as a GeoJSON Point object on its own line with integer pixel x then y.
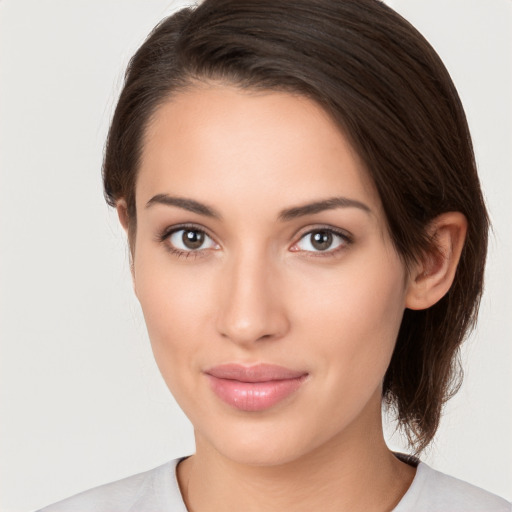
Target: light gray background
{"type": "Point", "coordinates": [82, 402]}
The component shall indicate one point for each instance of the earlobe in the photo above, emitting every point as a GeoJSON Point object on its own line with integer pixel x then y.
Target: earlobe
{"type": "Point", "coordinates": [433, 276]}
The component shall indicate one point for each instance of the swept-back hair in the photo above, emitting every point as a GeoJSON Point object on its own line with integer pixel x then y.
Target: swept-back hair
{"type": "Point", "coordinates": [389, 93]}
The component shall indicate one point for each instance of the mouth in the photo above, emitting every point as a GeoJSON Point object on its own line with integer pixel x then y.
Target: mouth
{"type": "Point", "coordinates": [254, 388]}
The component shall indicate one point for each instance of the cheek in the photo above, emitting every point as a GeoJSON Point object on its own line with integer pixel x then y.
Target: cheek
{"type": "Point", "coordinates": [177, 305]}
{"type": "Point", "coordinates": [354, 314]}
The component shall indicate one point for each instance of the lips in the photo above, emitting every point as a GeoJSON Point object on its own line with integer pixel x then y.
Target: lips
{"type": "Point", "coordinates": [254, 388]}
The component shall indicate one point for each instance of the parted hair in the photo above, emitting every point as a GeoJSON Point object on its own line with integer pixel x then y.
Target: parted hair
{"type": "Point", "coordinates": [390, 94]}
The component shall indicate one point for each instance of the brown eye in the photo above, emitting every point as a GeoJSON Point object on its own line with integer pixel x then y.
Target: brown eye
{"type": "Point", "coordinates": [192, 239]}
{"type": "Point", "coordinates": [321, 240]}
{"type": "Point", "coordinates": [187, 240]}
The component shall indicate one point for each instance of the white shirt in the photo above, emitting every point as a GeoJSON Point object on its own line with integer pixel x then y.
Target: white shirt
{"type": "Point", "coordinates": [157, 490]}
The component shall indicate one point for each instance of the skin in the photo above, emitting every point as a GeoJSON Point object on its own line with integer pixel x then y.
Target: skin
{"type": "Point", "coordinates": [259, 291]}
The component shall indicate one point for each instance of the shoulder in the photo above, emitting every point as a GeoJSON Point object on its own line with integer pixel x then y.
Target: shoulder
{"type": "Point", "coordinates": [433, 491]}
{"type": "Point", "coordinates": [156, 489]}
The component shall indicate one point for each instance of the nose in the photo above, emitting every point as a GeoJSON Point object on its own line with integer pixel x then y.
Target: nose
{"type": "Point", "coordinates": [251, 305]}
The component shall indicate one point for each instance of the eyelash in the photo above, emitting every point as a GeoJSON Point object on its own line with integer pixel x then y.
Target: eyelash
{"type": "Point", "coordinates": [163, 238]}
{"type": "Point", "coordinates": [168, 232]}
{"type": "Point", "coordinates": [346, 238]}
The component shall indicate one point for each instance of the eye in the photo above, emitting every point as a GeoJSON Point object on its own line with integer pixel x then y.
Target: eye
{"type": "Point", "coordinates": [190, 239]}
{"type": "Point", "coordinates": [321, 240]}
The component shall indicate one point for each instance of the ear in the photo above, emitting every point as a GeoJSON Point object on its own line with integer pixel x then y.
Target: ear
{"type": "Point", "coordinates": [431, 278]}
{"type": "Point", "coordinates": [122, 213]}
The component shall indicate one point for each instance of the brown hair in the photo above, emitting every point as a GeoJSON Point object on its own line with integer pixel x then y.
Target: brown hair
{"type": "Point", "coordinates": [391, 95]}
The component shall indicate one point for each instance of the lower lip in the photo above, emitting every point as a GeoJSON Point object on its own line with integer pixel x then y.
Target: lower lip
{"type": "Point", "coordinates": [254, 396]}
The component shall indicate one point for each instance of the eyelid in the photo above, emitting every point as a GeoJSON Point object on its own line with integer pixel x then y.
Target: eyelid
{"type": "Point", "coordinates": [168, 230]}
{"type": "Point", "coordinates": [345, 235]}
{"type": "Point", "coordinates": [164, 235]}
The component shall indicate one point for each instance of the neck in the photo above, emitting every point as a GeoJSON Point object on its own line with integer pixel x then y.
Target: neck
{"type": "Point", "coordinates": [355, 471]}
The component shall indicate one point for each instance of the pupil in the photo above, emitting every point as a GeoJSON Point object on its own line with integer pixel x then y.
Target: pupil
{"type": "Point", "coordinates": [322, 240]}
{"type": "Point", "coordinates": [193, 239]}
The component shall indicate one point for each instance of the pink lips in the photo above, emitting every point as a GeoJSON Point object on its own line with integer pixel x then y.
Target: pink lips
{"type": "Point", "coordinates": [254, 388]}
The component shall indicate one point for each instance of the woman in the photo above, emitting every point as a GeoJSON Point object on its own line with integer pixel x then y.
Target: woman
{"type": "Point", "coordinates": [308, 237]}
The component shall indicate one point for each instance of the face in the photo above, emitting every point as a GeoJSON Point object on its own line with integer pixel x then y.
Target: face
{"type": "Point", "coordinates": [268, 281]}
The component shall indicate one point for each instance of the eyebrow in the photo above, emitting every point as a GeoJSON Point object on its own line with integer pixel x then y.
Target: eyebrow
{"type": "Point", "coordinates": [186, 204]}
{"type": "Point", "coordinates": [320, 206]}
{"type": "Point", "coordinates": [288, 214]}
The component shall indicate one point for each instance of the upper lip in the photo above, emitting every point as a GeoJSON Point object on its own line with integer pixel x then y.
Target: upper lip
{"type": "Point", "coordinates": [254, 373]}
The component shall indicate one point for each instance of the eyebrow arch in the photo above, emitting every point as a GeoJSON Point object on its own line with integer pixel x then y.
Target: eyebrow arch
{"type": "Point", "coordinates": [186, 204]}
{"type": "Point", "coordinates": [320, 206]}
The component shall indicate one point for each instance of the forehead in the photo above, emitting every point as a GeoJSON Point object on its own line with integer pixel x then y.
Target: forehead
{"type": "Point", "coordinates": [219, 142]}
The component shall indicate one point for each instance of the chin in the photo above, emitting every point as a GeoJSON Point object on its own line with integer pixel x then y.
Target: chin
{"type": "Point", "coordinates": [266, 444]}
{"type": "Point", "coordinates": [261, 455]}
